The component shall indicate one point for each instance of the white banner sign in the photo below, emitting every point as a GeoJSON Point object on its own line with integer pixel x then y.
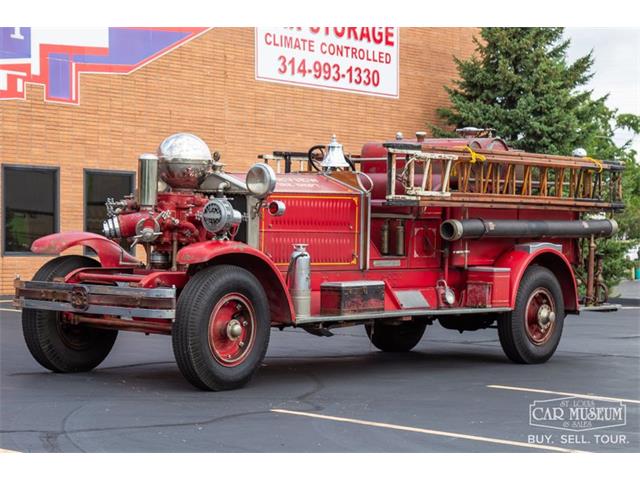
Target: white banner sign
{"type": "Point", "coordinates": [350, 59]}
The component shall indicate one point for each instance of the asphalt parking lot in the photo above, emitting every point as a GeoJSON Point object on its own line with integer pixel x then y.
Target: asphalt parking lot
{"type": "Point", "coordinates": [453, 393]}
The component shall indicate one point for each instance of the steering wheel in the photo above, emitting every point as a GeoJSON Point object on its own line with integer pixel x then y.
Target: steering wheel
{"type": "Point", "coordinates": [312, 157]}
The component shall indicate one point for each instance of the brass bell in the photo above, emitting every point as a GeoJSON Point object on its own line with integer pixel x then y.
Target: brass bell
{"type": "Point", "coordinates": [334, 157]}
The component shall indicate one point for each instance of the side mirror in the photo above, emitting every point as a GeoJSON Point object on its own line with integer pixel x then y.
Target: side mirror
{"type": "Point", "coordinates": [261, 180]}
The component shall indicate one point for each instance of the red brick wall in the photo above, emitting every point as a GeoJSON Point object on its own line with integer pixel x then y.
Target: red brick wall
{"type": "Point", "coordinates": [207, 87]}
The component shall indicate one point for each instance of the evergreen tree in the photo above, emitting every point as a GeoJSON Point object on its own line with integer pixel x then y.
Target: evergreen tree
{"type": "Point", "coordinates": [520, 84]}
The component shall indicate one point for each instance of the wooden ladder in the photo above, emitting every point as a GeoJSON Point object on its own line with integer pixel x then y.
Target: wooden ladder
{"type": "Point", "coordinates": [508, 179]}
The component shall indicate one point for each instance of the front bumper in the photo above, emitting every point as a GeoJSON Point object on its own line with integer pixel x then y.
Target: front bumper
{"type": "Point", "coordinates": [124, 302]}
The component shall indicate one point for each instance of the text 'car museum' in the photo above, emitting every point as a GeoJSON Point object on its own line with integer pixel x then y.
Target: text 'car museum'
{"type": "Point", "coordinates": [77, 107]}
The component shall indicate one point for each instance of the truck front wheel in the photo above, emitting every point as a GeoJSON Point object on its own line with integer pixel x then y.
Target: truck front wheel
{"type": "Point", "coordinates": [222, 328]}
{"type": "Point", "coordinates": [58, 345]}
{"type": "Point", "coordinates": [395, 338]}
{"type": "Point", "coordinates": [531, 332]}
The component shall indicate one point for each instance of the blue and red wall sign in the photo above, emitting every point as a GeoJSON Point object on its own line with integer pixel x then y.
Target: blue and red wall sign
{"type": "Point", "coordinates": [56, 58]}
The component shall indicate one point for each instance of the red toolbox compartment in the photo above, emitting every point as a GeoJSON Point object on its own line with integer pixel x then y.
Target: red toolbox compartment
{"type": "Point", "coordinates": [340, 298]}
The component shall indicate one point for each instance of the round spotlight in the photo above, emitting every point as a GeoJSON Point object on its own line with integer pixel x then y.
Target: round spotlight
{"type": "Point", "coordinates": [261, 180]}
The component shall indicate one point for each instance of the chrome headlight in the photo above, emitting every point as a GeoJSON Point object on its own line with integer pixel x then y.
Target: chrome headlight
{"type": "Point", "coordinates": [261, 180]}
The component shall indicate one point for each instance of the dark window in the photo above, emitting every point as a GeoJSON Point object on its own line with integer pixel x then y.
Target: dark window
{"type": "Point", "coordinates": [30, 202]}
{"type": "Point", "coordinates": [98, 187]}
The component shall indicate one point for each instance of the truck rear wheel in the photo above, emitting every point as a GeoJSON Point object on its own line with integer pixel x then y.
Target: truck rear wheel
{"type": "Point", "coordinates": [55, 344]}
{"type": "Point", "coordinates": [222, 328]}
{"type": "Point", "coordinates": [531, 332]}
{"type": "Point", "coordinates": [395, 338]}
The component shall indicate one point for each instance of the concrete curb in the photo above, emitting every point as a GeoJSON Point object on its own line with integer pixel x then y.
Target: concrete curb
{"type": "Point", "coordinates": [626, 302]}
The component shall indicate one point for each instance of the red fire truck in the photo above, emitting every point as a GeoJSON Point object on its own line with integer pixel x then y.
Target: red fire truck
{"type": "Point", "coordinates": [464, 230]}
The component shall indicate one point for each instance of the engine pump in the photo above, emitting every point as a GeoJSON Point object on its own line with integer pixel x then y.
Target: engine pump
{"type": "Point", "coordinates": [166, 219]}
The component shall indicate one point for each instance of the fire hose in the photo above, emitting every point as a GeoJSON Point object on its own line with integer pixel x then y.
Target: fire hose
{"type": "Point", "coordinates": [476, 228]}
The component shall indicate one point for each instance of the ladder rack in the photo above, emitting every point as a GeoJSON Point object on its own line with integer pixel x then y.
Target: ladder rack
{"type": "Point", "coordinates": [500, 179]}
{"type": "Point", "coordinates": [286, 159]}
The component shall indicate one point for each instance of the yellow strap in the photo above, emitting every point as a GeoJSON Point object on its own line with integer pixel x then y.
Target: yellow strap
{"type": "Point", "coordinates": [475, 156]}
{"type": "Point", "coordinates": [597, 162]}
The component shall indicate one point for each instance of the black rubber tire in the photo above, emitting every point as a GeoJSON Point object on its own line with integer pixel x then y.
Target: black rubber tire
{"type": "Point", "coordinates": [190, 330]}
{"type": "Point", "coordinates": [395, 338]}
{"type": "Point", "coordinates": [42, 329]}
{"type": "Point", "coordinates": [515, 342]}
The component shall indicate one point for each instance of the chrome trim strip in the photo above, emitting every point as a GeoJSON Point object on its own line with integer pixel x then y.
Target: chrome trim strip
{"type": "Point", "coordinates": [253, 222]}
{"type": "Point", "coordinates": [533, 247]}
{"type": "Point", "coordinates": [489, 269]}
{"type": "Point", "coordinates": [411, 299]}
{"type": "Point", "coordinates": [340, 182]}
{"type": "Point", "coordinates": [397, 313]}
{"type": "Point", "coordinates": [386, 262]}
{"type": "Point", "coordinates": [353, 283]}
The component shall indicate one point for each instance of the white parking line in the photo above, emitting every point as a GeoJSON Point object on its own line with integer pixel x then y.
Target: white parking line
{"type": "Point", "coordinates": [8, 310]}
{"type": "Point", "coordinates": [425, 431]}
{"type": "Point", "coordinates": [6, 301]}
{"type": "Point", "coordinates": [2, 450]}
{"type": "Point", "coordinates": [568, 394]}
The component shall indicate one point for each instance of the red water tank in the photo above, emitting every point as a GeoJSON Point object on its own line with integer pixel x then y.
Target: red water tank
{"type": "Point", "coordinates": [376, 166]}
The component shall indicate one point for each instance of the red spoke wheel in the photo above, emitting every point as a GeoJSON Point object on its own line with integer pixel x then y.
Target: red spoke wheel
{"type": "Point", "coordinates": [540, 316]}
{"type": "Point", "coordinates": [531, 332]}
{"type": "Point", "coordinates": [231, 329]}
{"type": "Point", "coordinates": [222, 327]}
{"type": "Point", "coordinates": [54, 342]}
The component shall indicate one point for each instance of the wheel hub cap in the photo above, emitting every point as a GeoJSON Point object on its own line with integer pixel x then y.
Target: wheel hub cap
{"type": "Point", "coordinates": [232, 328]}
{"type": "Point", "coordinates": [545, 316]}
{"type": "Point", "coordinates": [540, 316]}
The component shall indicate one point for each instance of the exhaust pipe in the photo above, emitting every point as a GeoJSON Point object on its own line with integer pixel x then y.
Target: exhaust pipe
{"type": "Point", "coordinates": [475, 228]}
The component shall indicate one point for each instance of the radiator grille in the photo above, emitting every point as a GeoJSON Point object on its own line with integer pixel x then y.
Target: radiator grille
{"type": "Point", "coordinates": [329, 225]}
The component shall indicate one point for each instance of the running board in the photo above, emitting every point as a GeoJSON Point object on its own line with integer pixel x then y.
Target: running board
{"type": "Point", "coordinates": [418, 312]}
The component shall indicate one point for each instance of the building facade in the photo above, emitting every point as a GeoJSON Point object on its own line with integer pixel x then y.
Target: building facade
{"type": "Point", "coordinates": [76, 109]}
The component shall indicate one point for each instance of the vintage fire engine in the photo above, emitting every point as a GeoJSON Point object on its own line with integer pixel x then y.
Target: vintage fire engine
{"type": "Point", "coordinates": [465, 231]}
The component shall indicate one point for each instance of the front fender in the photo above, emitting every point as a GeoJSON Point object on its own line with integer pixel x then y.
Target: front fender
{"type": "Point", "coordinates": [202, 252]}
{"type": "Point", "coordinates": [253, 260]}
{"type": "Point", "coordinates": [110, 253]}
{"type": "Point", "coordinates": [518, 261]}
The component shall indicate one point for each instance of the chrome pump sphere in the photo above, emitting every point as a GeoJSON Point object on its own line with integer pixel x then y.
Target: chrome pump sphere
{"type": "Point", "coordinates": [184, 160]}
